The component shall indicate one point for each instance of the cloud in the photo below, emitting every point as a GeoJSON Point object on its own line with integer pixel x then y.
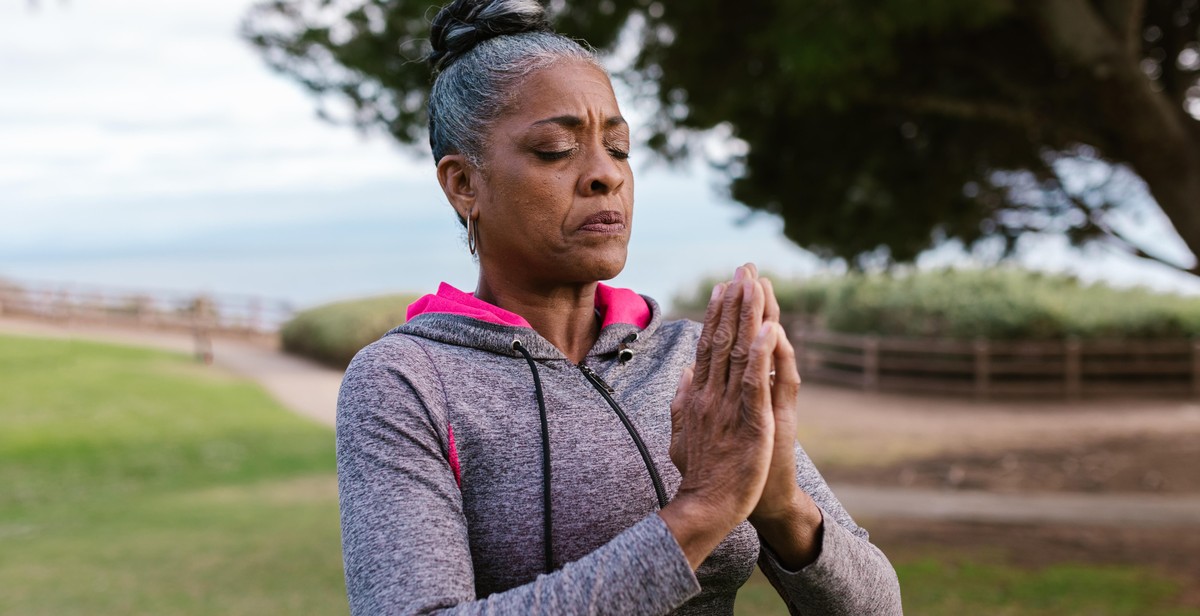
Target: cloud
{"type": "Point", "coordinates": [114, 102]}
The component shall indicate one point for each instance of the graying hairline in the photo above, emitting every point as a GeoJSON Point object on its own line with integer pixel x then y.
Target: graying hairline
{"type": "Point", "coordinates": [511, 81]}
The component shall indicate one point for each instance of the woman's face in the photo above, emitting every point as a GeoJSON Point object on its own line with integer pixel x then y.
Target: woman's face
{"type": "Point", "coordinates": [555, 204]}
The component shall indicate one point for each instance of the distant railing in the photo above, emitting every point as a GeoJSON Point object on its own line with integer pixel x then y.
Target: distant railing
{"type": "Point", "coordinates": [151, 309]}
{"type": "Point", "coordinates": [989, 368]}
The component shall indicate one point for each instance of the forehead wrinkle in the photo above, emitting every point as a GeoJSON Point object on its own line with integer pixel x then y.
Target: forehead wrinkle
{"type": "Point", "coordinates": [570, 121]}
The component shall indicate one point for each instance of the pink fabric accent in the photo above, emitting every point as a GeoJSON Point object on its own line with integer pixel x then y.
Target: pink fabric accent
{"type": "Point", "coordinates": [621, 306]}
{"type": "Point", "coordinates": [615, 306]}
{"type": "Point", "coordinates": [454, 457]}
{"type": "Point", "coordinates": [451, 300]}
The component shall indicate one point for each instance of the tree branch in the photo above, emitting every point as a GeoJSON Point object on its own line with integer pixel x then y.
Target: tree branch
{"type": "Point", "coordinates": [968, 109]}
{"type": "Point", "coordinates": [1096, 219]}
{"type": "Point", "coordinates": [1124, 18]}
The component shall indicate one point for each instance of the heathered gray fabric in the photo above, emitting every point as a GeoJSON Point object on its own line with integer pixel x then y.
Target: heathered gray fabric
{"type": "Point", "coordinates": [415, 543]}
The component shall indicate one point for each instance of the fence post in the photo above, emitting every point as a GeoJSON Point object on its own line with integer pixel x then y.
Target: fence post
{"type": "Point", "coordinates": [801, 349]}
{"type": "Point", "coordinates": [871, 363]}
{"type": "Point", "coordinates": [1073, 369]}
{"type": "Point", "coordinates": [983, 368]}
{"type": "Point", "coordinates": [1196, 367]}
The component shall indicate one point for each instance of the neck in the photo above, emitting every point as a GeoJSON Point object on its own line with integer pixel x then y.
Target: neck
{"type": "Point", "coordinates": [565, 315]}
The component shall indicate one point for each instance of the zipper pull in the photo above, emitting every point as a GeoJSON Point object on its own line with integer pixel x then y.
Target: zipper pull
{"type": "Point", "coordinates": [591, 374]}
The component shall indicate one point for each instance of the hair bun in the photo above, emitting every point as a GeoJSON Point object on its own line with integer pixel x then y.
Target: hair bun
{"type": "Point", "coordinates": [463, 24]}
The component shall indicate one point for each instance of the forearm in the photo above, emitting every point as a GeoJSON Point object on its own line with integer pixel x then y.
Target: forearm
{"type": "Point", "coordinates": [640, 571]}
{"type": "Point", "coordinates": [850, 577]}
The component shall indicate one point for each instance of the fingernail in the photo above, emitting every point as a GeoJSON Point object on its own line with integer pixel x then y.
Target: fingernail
{"type": "Point", "coordinates": [738, 274]}
{"type": "Point", "coordinates": [747, 291]}
{"type": "Point", "coordinates": [717, 291]}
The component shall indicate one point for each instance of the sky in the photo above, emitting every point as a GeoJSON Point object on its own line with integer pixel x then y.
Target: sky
{"type": "Point", "coordinates": [143, 145]}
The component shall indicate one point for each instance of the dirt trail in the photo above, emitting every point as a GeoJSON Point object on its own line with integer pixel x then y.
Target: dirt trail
{"type": "Point", "coordinates": [837, 425]}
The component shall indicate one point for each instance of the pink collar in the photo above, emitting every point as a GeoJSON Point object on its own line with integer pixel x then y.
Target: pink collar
{"type": "Point", "coordinates": [615, 306]}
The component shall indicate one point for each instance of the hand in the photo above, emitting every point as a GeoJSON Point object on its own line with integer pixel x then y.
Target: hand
{"type": "Point", "coordinates": [723, 430]}
{"type": "Point", "coordinates": [780, 494]}
{"type": "Point", "coordinates": [786, 517]}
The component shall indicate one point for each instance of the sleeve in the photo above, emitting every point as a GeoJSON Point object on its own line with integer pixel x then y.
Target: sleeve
{"type": "Point", "coordinates": [850, 575]}
{"type": "Point", "coordinates": [404, 535]}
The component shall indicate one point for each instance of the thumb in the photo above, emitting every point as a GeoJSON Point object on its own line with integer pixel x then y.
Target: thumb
{"type": "Point", "coordinates": [680, 401]}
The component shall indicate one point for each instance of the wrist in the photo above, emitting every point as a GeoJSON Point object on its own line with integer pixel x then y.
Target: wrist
{"type": "Point", "coordinates": [793, 533]}
{"type": "Point", "coordinates": [697, 525]}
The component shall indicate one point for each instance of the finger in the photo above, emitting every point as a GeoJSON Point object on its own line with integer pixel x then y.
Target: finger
{"type": "Point", "coordinates": [755, 381]}
{"type": "Point", "coordinates": [751, 270]}
{"type": "Point", "coordinates": [771, 311]}
{"type": "Point", "coordinates": [725, 334]}
{"type": "Point", "coordinates": [712, 317]}
{"type": "Point", "coordinates": [750, 320]}
{"type": "Point", "coordinates": [787, 377]}
{"type": "Point", "coordinates": [677, 450]}
{"type": "Point", "coordinates": [679, 403]}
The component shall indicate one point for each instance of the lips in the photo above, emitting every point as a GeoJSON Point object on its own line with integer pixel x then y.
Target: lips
{"type": "Point", "coordinates": [608, 221]}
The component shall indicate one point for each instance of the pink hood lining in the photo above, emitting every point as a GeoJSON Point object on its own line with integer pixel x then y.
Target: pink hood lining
{"type": "Point", "coordinates": [615, 306]}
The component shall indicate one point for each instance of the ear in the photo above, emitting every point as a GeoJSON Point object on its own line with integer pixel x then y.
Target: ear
{"type": "Point", "coordinates": [458, 179]}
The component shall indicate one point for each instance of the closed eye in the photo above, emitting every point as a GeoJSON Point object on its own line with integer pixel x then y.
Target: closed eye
{"type": "Point", "coordinates": [555, 155]}
{"type": "Point", "coordinates": [619, 154]}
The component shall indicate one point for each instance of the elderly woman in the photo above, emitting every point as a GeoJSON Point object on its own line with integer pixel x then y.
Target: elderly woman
{"type": "Point", "coordinates": [549, 444]}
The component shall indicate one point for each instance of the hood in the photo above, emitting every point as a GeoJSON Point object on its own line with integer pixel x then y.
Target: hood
{"type": "Point", "coordinates": [456, 317]}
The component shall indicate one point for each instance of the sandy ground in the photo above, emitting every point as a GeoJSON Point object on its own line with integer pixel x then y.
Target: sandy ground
{"type": "Point", "coordinates": [847, 427]}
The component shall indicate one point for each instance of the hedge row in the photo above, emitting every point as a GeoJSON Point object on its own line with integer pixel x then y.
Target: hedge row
{"type": "Point", "coordinates": [333, 333]}
{"type": "Point", "coordinates": [1000, 303]}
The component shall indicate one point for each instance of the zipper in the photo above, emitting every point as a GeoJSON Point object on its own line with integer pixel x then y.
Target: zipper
{"type": "Point", "coordinates": [607, 392]}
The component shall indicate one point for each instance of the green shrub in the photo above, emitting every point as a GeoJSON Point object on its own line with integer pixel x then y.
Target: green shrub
{"type": "Point", "coordinates": [998, 303]}
{"type": "Point", "coordinates": [333, 333]}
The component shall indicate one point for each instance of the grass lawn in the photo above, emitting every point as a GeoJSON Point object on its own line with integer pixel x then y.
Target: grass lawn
{"type": "Point", "coordinates": [139, 482]}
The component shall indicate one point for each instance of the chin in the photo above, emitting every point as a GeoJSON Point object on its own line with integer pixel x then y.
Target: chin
{"type": "Point", "coordinates": [603, 264]}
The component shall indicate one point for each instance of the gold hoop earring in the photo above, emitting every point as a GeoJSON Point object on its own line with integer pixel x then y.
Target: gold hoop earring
{"type": "Point", "coordinates": [470, 237]}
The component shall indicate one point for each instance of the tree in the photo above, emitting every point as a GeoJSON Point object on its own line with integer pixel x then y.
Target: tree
{"type": "Point", "coordinates": [872, 127]}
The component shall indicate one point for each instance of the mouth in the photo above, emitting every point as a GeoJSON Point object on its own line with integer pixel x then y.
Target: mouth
{"type": "Point", "coordinates": [606, 222]}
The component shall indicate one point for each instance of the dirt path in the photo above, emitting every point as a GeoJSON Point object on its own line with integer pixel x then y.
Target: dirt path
{"type": "Point", "coordinates": [838, 426]}
{"type": "Point", "coordinates": [843, 426]}
{"type": "Point", "coordinates": [1126, 510]}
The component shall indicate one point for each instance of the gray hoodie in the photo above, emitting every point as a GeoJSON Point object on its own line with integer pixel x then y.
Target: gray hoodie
{"type": "Point", "coordinates": [442, 458]}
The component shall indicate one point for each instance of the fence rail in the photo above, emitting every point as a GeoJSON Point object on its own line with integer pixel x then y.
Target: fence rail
{"type": "Point", "coordinates": [988, 368]}
{"type": "Point", "coordinates": [142, 308]}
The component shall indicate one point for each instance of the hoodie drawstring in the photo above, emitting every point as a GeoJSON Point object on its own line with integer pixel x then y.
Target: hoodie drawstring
{"type": "Point", "coordinates": [541, 402]}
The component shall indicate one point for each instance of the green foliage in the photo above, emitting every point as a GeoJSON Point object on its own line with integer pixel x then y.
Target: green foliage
{"type": "Point", "coordinates": [141, 482]}
{"type": "Point", "coordinates": [1001, 303]}
{"type": "Point", "coordinates": [940, 588]}
{"type": "Point", "coordinates": [876, 129]}
{"type": "Point", "coordinates": [333, 333]}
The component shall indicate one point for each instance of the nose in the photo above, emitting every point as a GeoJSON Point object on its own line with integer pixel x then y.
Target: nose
{"type": "Point", "coordinates": [602, 174]}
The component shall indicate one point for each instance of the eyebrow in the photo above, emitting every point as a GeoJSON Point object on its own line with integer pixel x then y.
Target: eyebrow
{"type": "Point", "coordinates": [571, 121]}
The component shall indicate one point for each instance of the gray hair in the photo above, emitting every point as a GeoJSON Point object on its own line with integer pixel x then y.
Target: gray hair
{"type": "Point", "coordinates": [481, 50]}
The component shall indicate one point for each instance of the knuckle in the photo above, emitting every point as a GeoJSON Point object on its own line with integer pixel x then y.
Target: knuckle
{"type": "Point", "coordinates": [722, 338]}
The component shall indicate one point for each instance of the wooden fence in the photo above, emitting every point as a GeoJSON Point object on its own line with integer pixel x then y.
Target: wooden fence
{"type": "Point", "coordinates": [141, 308]}
{"type": "Point", "coordinates": [989, 368]}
